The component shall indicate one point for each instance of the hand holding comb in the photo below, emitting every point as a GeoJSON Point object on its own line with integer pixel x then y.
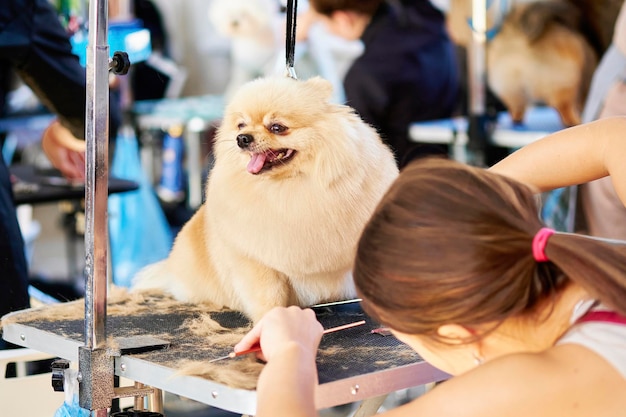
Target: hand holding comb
{"type": "Point", "coordinates": [257, 347]}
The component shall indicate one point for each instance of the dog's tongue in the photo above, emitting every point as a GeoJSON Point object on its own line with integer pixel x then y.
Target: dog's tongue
{"type": "Point", "coordinates": [256, 163]}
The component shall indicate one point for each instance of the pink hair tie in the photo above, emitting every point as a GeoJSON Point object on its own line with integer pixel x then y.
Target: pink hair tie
{"type": "Point", "coordinates": [539, 244]}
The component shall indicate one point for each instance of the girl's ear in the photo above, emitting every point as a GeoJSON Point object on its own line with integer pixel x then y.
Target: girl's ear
{"type": "Point", "coordinates": [455, 333]}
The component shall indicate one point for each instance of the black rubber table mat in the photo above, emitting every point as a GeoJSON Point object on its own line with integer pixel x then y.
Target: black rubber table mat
{"type": "Point", "coordinates": [343, 354]}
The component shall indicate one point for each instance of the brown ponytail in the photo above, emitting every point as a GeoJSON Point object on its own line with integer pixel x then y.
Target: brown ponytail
{"type": "Point", "coordinates": [451, 243]}
{"type": "Point", "coordinates": [598, 265]}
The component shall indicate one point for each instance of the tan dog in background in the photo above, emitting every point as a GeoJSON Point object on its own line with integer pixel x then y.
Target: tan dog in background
{"type": "Point", "coordinates": [295, 179]}
{"type": "Point", "coordinates": [539, 54]}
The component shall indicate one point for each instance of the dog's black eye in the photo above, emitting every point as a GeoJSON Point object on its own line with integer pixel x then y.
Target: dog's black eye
{"type": "Point", "coordinates": [277, 128]}
{"type": "Point", "coordinates": [241, 125]}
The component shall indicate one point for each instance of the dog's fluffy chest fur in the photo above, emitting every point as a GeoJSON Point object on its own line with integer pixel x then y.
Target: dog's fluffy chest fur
{"type": "Point", "coordinates": [284, 212]}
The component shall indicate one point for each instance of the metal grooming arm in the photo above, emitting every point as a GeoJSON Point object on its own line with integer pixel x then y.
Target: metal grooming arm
{"type": "Point", "coordinates": [96, 375]}
{"type": "Point", "coordinates": [95, 359]}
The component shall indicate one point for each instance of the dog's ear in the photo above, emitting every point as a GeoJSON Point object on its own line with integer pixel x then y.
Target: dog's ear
{"type": "Point", "coordinates": [320, 86]}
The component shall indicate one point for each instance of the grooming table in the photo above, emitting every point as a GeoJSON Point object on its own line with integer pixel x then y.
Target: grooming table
{"type": "Point", "coordinates": [35, 186]}
{"type": "Point", "coordinates": [353, 364]}
{"type": "Point", "coordinates": [538, 122]}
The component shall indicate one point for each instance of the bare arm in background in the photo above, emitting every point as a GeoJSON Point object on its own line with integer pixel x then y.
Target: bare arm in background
{"type": "Point", "coordinates": [64, 150]}
{"type": "Point", "coordinates": [572, 156]}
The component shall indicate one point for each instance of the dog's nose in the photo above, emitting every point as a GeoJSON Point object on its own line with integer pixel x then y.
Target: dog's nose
{"type": "Point", "coordinates": [244, 140]}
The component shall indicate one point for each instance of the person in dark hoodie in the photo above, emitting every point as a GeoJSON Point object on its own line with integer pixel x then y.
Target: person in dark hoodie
{"type": "Point", "coordinates": [408, 70]}
{"type": "Point", "coordinates": [34, 44]}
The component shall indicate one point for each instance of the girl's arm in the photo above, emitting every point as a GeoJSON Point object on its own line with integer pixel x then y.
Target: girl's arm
{"type": "Point", "coordinates": [286, 386]}
{"type": "Point", "coordinates": [289, 338]}
{"type": "Point", "coordinates": [572, 156]}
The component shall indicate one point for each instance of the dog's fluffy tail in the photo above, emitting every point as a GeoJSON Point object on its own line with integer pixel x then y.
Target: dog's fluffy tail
{"type": "Point", "coordinates": [535, 18]}
{"type": "Point", "coordinates": [153, 276]}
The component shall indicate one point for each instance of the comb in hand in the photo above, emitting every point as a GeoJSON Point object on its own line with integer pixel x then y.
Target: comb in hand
{"type": "Point", "coordinates": [257, 347]}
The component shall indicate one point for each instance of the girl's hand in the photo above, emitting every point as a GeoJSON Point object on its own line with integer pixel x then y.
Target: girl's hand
{"type": "Point", "coordinates": [282, 327]}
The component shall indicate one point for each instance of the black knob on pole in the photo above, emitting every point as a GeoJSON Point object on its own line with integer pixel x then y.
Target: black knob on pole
{"type": "Point", "coordinates": [120, 63]}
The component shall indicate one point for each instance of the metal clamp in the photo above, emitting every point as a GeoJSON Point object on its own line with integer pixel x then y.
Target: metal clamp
{"type": "Point", "coordinates": [58, 374]}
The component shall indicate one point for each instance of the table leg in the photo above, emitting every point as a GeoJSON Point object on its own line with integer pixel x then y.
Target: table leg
{"type": "Point", "coordinates": [156, 401]}
{"type": "Point", "coordinates": [370, 406]}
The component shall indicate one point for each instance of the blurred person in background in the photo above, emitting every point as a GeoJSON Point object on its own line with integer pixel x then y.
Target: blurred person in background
{"type": "Point", "coordinates": [604, 215]}
{"type": "Point", "coordinates": [35, 45]}
{"type": "Point", "coordinates": [408, 70]}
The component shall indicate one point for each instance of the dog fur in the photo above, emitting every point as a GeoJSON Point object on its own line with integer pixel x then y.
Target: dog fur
{"type": "Point", "coordinates": [283, 232]}
{"type": "Point", "coordinates": [539, 55]}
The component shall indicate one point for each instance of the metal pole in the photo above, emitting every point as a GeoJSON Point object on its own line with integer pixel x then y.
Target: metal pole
{"type": "Point", "coordinates": [477, 70]}
{"type": "Point", "coordinates": [95, 365]}
{"type": "Point", "coordinates": [193, 138]}
{"type": "Point", "coordinates": [96, 187]}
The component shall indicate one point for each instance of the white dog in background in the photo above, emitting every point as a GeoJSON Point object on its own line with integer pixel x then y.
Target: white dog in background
{"type": "Point", "coordinates": [254, 28]}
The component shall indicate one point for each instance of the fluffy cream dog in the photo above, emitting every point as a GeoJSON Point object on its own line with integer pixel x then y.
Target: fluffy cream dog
{"type": "Point", "coordinates": [295, 179]}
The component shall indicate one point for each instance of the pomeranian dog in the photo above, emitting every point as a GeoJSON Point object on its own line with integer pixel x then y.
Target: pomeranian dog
{"type": "Point", "coordinates": [295, 179]}
{"type": "Point", "coordinates": [253, 28]}
{"type": "Point", "coordinates": [538, 54]}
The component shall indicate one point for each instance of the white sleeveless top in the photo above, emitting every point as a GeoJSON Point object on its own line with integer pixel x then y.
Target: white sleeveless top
{"type": "Point", "coordinates": [601, 330]}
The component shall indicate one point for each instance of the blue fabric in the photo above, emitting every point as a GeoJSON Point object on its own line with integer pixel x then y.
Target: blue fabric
{"type": "Point", "coordinates": [71, 405]}
{"type": "Point", "coordinates": [138, 229]}
{"type": "Point", "coordinates": [72, 409]}
{"type": "Point", "coordinates": [559, 209]}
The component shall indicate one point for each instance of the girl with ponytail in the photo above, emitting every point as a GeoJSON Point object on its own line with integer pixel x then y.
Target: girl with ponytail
{"type": "Point", "coordinates": [457, 263]}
